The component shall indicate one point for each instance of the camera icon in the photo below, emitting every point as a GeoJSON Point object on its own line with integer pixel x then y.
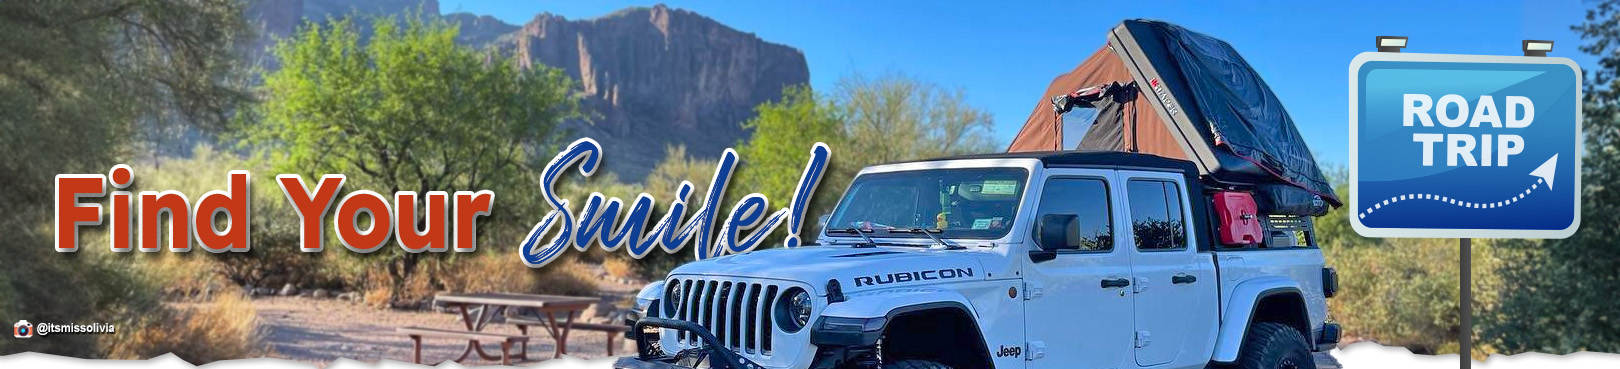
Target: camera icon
{"type": "Point", "coordinates": [22, 329]}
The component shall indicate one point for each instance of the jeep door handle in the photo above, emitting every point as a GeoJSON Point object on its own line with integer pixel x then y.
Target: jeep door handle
{"type": "Point", "coordinates": [1116, 282]}
{"type": "Point", "coordinates": [1183, 279]}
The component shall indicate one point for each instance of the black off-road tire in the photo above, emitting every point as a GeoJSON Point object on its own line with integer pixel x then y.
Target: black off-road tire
{"type": "Point", "coordinates": [1274, 346]}
{"type": "Point", "coordinates": [915, 364]}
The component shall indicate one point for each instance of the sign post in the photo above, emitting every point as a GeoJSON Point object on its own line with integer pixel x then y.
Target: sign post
{"type": "Point", "coordinates": [1464, 146]}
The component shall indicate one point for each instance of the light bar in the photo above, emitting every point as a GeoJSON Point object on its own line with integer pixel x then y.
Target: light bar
{"type": "Point", "coordinates": [1537, 47]}
{"type": "Point", "coordinates": [1391, 44]}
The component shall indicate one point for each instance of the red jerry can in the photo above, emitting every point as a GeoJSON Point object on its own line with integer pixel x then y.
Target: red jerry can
{"type": "Point", "coordinates": [1239, 217]}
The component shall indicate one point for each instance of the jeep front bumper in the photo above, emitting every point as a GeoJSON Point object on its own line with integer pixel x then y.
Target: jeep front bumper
{"type": "Point", "coordinates": [713, 352]}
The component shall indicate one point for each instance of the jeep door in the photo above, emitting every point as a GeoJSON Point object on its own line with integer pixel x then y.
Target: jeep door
{"type": "Point", "coordinates": [1078, 313]}
{"type": "Point", "coordinates": [1176, 313]}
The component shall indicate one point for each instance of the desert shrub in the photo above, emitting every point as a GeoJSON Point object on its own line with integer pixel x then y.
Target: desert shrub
{"type": "Point", "coordinates": [617, 266]}
{"type": "Point", "coordinates": [223, 329]}
{"type": "Point", "coordinates": [41, 285]}
{"type": "Point", "coordinates": [123, 289]}
{"type": "Point", "coordinates": [664, 180]}
{"type": "Point", "coordinates": [1403, 291]}
{"type": "Point", "coordinates": [275, 258]}
{"type": "Point", "coordinates": [571, 279]}
{"type": "Point", "coordinates": [381, 291]}
{"type": "Point", "coordinates": [184, 276]}
{"type": "Point", "coordinates": [503, 272]}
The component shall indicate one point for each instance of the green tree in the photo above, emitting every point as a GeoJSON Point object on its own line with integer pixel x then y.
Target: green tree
{"type": "Point", "coordinates": [408, 110]}
{"type": "Point", "coordinates": [774, 157]}
{"type": "Point", "coordinates": [665, 178]}
{"type": "Point", "coordinates": [75, 79]}
{"type": "Point", "coordinates": [864, 121]}
{"type": "Point", "coordinates": [1561, 298]}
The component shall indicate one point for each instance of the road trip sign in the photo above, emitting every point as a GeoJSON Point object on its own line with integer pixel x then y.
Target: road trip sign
{"type": "Point", "coordinates": [1464, 146]}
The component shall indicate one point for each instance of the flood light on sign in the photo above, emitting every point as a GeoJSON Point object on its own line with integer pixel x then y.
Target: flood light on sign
{"type": "Point", "coordinates": [1391, 44]}
{"type": "Point", "coordinates": [1537, 47]}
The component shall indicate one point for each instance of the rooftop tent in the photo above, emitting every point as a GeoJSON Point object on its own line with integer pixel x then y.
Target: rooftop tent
{"type": "Point", "coordinates": [1135, 119]}
{"type": "Point", "coordinates": [1181, 94]}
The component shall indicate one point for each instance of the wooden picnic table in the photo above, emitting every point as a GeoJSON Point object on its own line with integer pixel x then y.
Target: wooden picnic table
{"type": "Point", "coordinates": [478, 308]}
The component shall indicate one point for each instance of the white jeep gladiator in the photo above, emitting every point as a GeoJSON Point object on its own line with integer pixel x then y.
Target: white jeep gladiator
{"type": "Point", "coordinates": [1026, 260]}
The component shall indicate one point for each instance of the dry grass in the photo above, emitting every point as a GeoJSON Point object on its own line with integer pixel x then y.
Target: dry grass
{"type": "Point", "coordinates": [225, 329]}
{"type": "Point", "coordinates": [567, 278]}
{"type": "Point", "coordinates": [380, 287]}
{"type": "Point", "coordinates": [479, 272]}
{"type": "Point", "coordinates": [182, 275]}
{"type": "Point", "coordinates": [491, 272]}
{"type": "Point", "coordinates": [618, 267]}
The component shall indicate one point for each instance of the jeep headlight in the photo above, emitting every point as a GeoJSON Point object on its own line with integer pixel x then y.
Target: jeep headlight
{"type": "Point", "coordinates": [674, 297]}
{"type": "Point", "coordinates": [645, 300]}
{"type": "Point", "coordinates": [794, 310]}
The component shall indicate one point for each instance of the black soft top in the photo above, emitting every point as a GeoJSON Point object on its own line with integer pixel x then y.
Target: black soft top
{"type": "Point", "coordinates": [1091, 159]}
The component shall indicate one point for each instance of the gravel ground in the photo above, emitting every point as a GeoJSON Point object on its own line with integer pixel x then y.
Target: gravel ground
{"type": "Point", "coordinates": [319, 331]}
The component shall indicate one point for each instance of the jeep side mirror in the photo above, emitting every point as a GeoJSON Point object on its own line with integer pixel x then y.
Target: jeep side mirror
{"type": "Point", "coordinates": [1055, 232]}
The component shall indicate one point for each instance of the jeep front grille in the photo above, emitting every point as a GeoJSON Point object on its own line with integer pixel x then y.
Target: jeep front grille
{"type": "Point", "coordinates": [737, 313]}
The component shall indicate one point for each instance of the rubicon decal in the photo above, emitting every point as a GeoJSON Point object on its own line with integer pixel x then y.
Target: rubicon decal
{"type": "Point", "coordinates": [920, 275]}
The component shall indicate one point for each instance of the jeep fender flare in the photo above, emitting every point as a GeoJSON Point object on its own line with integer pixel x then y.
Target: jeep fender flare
{"type": "Point", "coordinates": [891, 303]}
{"type": "Point", "coordinates": [894, 305]}
{"type": "Point", "coordinates": [1241, 309]}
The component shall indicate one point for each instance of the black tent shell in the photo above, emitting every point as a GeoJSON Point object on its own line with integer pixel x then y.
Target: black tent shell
{"type": "Point", "coordinates": [1227, 119]}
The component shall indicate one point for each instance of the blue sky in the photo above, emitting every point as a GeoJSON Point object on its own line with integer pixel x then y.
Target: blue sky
{"type": "Point", "coordinates": [1003, 56]}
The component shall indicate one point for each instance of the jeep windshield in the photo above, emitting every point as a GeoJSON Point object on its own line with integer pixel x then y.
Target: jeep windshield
{"type": "Point", "coordinates": [959, 203]}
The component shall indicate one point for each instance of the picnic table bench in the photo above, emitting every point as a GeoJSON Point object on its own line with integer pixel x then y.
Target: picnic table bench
{"type": "Point", "coordinates": [478, 309]}
{"type": "Point", "coordinates": [506, 340]}
{"type": "Point", "coordinates": [615, 332]}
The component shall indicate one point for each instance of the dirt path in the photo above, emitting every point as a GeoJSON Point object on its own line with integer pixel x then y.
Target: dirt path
{"type": "Point", "coordinates": [319, 331]}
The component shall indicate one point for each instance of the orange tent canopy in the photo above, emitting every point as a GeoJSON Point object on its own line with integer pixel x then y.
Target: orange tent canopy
{"type": "Point", "coordinates": [1144, 129]}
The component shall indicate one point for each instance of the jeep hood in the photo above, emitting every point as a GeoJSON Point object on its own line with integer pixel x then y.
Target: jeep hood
{"type": "Point", "coordinates": [856, 269]}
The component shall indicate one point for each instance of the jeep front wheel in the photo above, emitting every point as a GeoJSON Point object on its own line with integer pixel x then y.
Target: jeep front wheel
{"type": "Point", "coordinates": [1274, 346]}
{"type": "Point", "coordinates": [915, 364]}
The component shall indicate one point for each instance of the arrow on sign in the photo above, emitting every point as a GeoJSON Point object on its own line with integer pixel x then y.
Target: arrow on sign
{"type": "Point", "coordinates": [1546, 172]}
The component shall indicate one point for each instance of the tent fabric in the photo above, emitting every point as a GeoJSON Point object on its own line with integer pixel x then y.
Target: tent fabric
{"type": "Point", "coordinates": [1245, 116]}
{"type": "Point", "coordinates": [1223, 97]}
{"type": "Point", "coordinates": [1113, 109]}
{"type": "Point", "coordinates": [1041, 130]}
{"type": "Point", "coordinates": [1107, 132]}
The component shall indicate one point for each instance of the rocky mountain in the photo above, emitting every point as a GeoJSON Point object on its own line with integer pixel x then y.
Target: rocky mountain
{"type": "Point", "coordinates": [651, 77]}
{"type": "Point", "coordinates": [659, 76]}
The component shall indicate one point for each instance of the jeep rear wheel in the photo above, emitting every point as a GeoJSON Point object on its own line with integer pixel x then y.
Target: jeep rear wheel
{"type": "Point", "coordinates": [915, 364]}
{"type": "Point", "coordinates": [1274, 346]}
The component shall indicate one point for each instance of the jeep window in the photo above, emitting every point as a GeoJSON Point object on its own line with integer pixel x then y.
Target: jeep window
{"type": "Point", "coordinates": [1156, 216]}
{"type": "Point", "coordinates": [1086, 198]}
{"type": "Point", "coordinates": [963, 203]}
